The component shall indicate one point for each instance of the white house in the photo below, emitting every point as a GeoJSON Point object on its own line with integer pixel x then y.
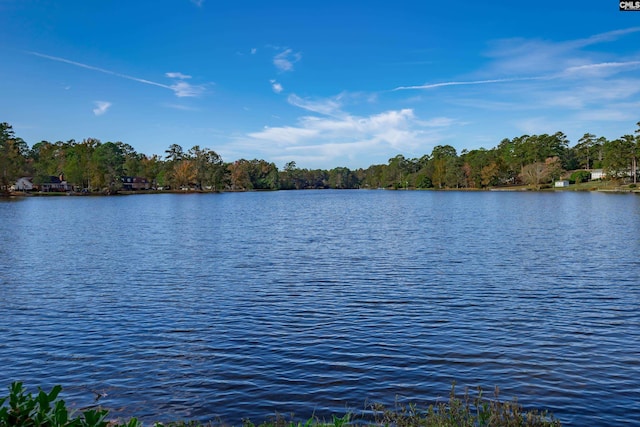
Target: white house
{"type": "Point", "coordinates": [597, 174]}
{"type": "Point", "coordinates": [563, 183]}
{"type": "Point", "coordinates": [23, 184]}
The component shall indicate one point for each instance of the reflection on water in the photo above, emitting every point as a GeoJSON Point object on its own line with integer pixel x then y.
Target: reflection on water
{"type": "Point", "coordinates": [243, 305]}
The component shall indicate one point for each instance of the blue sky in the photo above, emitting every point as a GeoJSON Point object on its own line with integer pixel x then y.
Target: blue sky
{"type": "Point", "coordinates": [322, 83]}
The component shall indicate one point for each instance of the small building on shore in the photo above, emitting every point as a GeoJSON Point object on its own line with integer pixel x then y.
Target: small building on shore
{"type": "Point", "coordinates": [597, 174]}
{"type": "Point", "coordinates": [562, 183]}
{"type": "Point", "coordinates": [132, 183]}
{"type": "Point", "coordinates": [54, 183]}
{"type": "Point", "coordinates": [23, 184]}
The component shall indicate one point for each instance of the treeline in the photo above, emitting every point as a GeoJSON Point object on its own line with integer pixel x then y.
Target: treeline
{"type": "Point", "coordinates": [92, 165]}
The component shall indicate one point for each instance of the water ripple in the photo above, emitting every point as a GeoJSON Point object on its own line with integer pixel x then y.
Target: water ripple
{"type": "Point", "coordinates": [223, 307]}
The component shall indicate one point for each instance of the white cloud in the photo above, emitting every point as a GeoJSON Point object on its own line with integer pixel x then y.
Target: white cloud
{"type": "Point", "coordinates": [177, 75]}
{"type": "Point", "coordinates": [180, 107]}
{"type": "Point", "coordinates": [284, 135]}
{"type": "Point", "coordinates": [438, 122]}
{"type": "Point", "coordinates": [184, 89]}
{"type": "Point", "coordinates": [101, 107]}
{"type": "Point", "coordinates": [325, 139]}
{"type": "Point", "coordinates": [254, 51]}
{"type": "Point", "coordinates": [609, 114]}
{"type": "Point", "coordinates": [284, 60]}
{"type": "Point", "coordinates": [277, 87]}
{"type": "Point", "coordinates": [327, 107]}
{"type": "Point", "coordinates": [198, 3]}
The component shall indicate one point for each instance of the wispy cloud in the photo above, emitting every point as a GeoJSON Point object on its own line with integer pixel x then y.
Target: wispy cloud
{"type": "Point", "coordinates": [608, 36]}
{"type": "Point", "coordinates": [177, 75]}
{"type": "Point", "coordinates": [180, 89]}
{"type": "Point", "coordinates": [198, 3]}
{"type": "Point", "coordinates": [328, 107]}
{"type": "Point", "coordinates": [284, 60]}
{"type": "Point", "coordinates": [101, 107]}
{"type": "Point", "coordinates": [602, 68]}
{"type": "Point", "coordinates": [184, 89]}
{"type": "Point", "coordinates": [540, 86]}
{"type": "Point", "coordinates": [181, 107]}
{"type": "Point", "coordinates": [471, 82]}
{"type": "Point", "coordinates": [334, 105]}
{"type": "Point", "coordinates": [536, 56]}
{"type": "Point", "coordinates": [556, 75]}
{"type": "Point", "coordinates": [597, 69]}
{"type": "Point", "coordinates": [277, 87]}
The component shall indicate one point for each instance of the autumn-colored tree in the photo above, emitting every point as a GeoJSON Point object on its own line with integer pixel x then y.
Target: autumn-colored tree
{"type": "Point", "coordinates": [489, 174]}
{"type": "Point", "coordinates": [13, 155]}
{"type": "Point", "coordinates": [539, 173]}
{"type": "Point", "coordinates": [239, 175]}
{"type": "Point", "coordinates": [184, 173]}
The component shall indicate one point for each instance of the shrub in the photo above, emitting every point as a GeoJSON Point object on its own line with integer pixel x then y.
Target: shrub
{"type": "Point", "coordinates": [464, 411]}
{"type": "Point", "coordinates": [45, 409]}
{"type": "Point", "coordinates": [580, 176]}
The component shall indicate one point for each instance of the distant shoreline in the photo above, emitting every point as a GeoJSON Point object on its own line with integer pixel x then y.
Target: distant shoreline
{"type": "Point", "coordinates": [520, 189]}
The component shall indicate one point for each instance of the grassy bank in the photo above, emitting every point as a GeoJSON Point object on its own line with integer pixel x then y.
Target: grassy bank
{"type": "Point", "coordinates": [24, 409]}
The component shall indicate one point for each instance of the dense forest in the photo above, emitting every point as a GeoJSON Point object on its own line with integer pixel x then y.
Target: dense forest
{"type": "Point", "coordinates": [535, 160]}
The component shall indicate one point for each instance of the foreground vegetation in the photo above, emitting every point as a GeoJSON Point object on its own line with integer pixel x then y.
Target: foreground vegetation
{"type": "Point", "coordinates": [534, 160]}
{"type": "Point", "coordinates": [23, 409]}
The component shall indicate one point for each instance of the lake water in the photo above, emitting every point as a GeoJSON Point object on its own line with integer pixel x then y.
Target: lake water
{"type": "Point", "coordinates": [231, 306]}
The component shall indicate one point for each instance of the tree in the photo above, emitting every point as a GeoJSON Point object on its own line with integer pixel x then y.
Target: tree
{"type": "Point", "coordinates": [132, 160]}
{"type": "Point", "coordinates": [474, 168]}
{"type": "Point", "coordinates": [184, 173]}
{"type": "Point", "coordinates": [635, 154]}
{"type": "Point", "coordinates": [509, 164]}
{"type": "Point", "coordinates": [618, 156]}
{"type": "Point", "coordinates": [13, 155]}
{"type": "Point", "coordinates": [78, 164]}
{"type": "Point", "coordinates": [109, 166]}
{"type": "Point", "coordinates": [200, 164]}
{"type": "Point", "coordinates": [539, 173]}
{"type": "Point", "coordinates": [489, 174]}
{"type": "Point", "coordinates": [547, 146]}
{"type": "Point", "coordinates": [174, 153]}
{"type": "Point", "coordinates": [584, 150]}
{"type": "Point", "coordinates": [444, 162]}
{"type": "Point", "coordinates": [534, 174]}
{"type": "Point", "coordinates": [214, 171]}
{"type": "Point", "coordinates": [151, 168]}
{"type": "Point", "coordinates": [240, 178]}
{"type": "Point", "coordinates": [44, 162]}
{"type": "Point", "coordinates": [342, 178]}
{"type": "Point", "coordinates": [395, 174]}
{"type": "Point", "coordinates": [291, 177]}
{"type": "Point", "coordinates": [263, 175]}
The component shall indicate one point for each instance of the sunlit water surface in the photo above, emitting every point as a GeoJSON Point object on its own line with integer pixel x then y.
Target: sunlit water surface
{"type": "Point", "coordinates": [231, 306]}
